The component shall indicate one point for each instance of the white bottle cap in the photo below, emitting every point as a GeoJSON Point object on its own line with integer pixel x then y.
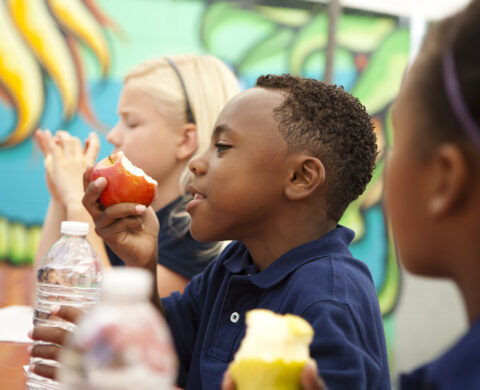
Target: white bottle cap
{"type": "Point", "coordinates": [74, 228]}
{"type": "Point", "coordinates": [124, 283]}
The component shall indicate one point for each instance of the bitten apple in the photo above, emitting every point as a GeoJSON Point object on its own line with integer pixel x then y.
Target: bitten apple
{"type": "Point", "coordinates": [126, 183]}
{"type": "Point", "coordinates": [273, 352]}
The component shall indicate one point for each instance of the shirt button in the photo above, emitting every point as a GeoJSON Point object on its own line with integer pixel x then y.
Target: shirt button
{"type": "Point", "coordinates": [234, 317]}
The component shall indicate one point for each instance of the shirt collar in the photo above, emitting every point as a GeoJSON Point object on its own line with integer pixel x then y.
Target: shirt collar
{"type": "Point", "coordinates": [165, 211]}
{"type": "Point", "coordinates": [336, 241]}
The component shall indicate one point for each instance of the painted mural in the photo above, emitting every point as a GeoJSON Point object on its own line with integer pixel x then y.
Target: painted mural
{"type": "Point", "coordinates": [61, 66]}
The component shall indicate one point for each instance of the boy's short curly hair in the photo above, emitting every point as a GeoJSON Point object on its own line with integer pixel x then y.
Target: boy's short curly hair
{"type": "Point", "coordinates": [333, 126]}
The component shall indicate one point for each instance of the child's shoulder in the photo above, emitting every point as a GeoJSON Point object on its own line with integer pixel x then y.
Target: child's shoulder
{"type": "Point", "coordinates": [336, 277]}
{"type": "Point", "coordinates": [330, 259]}
{"type": "Point", "coordinates": [443, 372]}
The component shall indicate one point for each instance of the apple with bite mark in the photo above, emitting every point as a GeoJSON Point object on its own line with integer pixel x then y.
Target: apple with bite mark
{"type": "Point", "coordinates": [126, 183]}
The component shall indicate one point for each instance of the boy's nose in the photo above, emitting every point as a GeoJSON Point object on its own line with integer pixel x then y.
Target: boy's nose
{"type": "Point", "coordinates": [197, 165]}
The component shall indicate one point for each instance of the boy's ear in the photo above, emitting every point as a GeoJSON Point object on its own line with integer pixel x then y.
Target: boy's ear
{"type": "Point", "coordinates": [188, 142]}
{"type": "Point", "coordinates": [307, 174]}
{"type": "Point", "coordinates": [448, 180]}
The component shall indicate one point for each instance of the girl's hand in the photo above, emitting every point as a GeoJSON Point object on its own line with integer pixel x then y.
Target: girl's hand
{"type": "Point", "coordinates": [69, 161]}
{"type": "Point", "coordinates": [65, 162]}
{"type": "Point", "coordinates": [44, 139]}
{"type": "Point", "coordinates": [129, 229]}
{"type": "Point", "coordinates": [55, 336]}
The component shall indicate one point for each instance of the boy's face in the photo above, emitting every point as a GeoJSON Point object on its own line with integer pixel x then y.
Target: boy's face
{"type": "Point", "coordinates": [239, 181]}
{"type": "Point", "coordinates": [405, 188]}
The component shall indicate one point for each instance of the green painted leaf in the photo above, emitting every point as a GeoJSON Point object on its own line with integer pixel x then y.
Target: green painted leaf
{"type": "Point", "coordinates": [314, 65]}
{"type": "Point", "coordinates": [390, 291]}
{"type": "Point", "coordinates": [311, 38]}
{"type": "Point", "coordinates": [224, 24]}
{"type": "Point", "coordinates": [34, 234]}
{"type": "Point", "coordinates": [362, 33]}
{"type": "Point", "coordinates": [4, 238]}
{"type": "Point", "coordinates": [389, 127]}
{"type": "Point", "coordinates": [378, 85]}
{"type": "Point", "coordinates": [286, 16]}
{"type": "Point", "coordinates": [353, 219]}
{"type": "Point", "coordinates": [18, 243]}
{"type": "Point", "coordinates": [269, 52]}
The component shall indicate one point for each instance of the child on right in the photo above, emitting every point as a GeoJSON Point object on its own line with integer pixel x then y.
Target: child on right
{"type": "Point", "coordinates": [433, 183]}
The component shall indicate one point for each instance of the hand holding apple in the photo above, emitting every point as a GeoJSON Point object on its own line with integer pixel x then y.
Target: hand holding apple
{"type": "Point", "coordinates": [125, 182]}
{"type": "Point", "coordinates": [129, 229]}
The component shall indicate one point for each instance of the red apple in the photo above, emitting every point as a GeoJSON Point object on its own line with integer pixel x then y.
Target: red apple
{"type": "Point", "coordinates": [126, 183]}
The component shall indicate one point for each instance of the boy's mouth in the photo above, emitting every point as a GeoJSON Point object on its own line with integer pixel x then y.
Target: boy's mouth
{"type": "Point", "coordinates": [197, 198]}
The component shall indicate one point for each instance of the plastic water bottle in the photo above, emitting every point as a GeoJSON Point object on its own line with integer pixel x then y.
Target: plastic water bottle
{"type": "Point", "coordinates": [123, 343]}
{"type": "Point", "coordinates": [70, 274]}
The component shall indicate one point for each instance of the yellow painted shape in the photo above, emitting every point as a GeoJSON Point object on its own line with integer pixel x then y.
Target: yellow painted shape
{"type": "Point", "coordinates": [47, 43]}
{"type": "Point", "coordinates": [75, 17]}
{"type": "Point", "coordinates": [21, 77]}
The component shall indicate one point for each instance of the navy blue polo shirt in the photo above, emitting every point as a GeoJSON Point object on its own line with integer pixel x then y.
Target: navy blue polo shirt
{"type": "Point", "coordinates": [458, 368]}
{"type": "Point", "coordinates": [319, 281]}
{"type": "Point", "coordinates": [177, 249]}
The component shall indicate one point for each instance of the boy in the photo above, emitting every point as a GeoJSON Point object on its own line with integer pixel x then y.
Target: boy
{"type": "Point", "coordinates": [286, 158]}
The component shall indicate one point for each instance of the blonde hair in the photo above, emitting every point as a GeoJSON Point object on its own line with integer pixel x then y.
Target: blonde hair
{"type": "Point", "coordinates": [208, 82]}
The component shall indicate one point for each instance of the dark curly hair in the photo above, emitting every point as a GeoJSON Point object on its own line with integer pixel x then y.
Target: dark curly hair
{"type": "Point", "coordinates": [333, 126]}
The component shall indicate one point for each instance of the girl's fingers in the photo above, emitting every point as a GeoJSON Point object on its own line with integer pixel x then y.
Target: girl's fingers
{"type": "Point", "coordinates": [44, 370]}
{"type": "Point", "coordinates": [71, 145]}
{"type": "Point", "coordinates": [39, 140]}
{"type": "Point", "coordinates": [60, 137]}
{"type": "Point", "coordinates": [92, 146]}
{"type": "Point", "coordinates": [68, 313]}
{"type": "Point", "coordinates": [49, 334]}
{"type": "Point", "coordinates": [45, 351]}
{"type": "Point", "coordinates": [48, 141]}
{"type": "Point", "coordinates": [54, 146]}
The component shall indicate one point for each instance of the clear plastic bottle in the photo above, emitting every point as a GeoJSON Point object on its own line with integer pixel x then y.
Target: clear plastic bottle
{"type": "Point", "coordinates": [70, 274]}
{"type": "Point", "coordinates": [123, 343]}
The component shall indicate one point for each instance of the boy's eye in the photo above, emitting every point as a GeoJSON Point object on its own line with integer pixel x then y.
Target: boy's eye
{"type": "Point", "coordinates": [221, 147]}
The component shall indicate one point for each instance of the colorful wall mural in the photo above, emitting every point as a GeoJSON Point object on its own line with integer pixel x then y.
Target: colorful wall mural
{"type": "Point", "coordinates": [61, 66]}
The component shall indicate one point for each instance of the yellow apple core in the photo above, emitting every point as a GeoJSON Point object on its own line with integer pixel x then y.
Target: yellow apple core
{"type": "Point", "coordinates": [254, 374]}
{"type": "Point", "coordinates": [273, 352]}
